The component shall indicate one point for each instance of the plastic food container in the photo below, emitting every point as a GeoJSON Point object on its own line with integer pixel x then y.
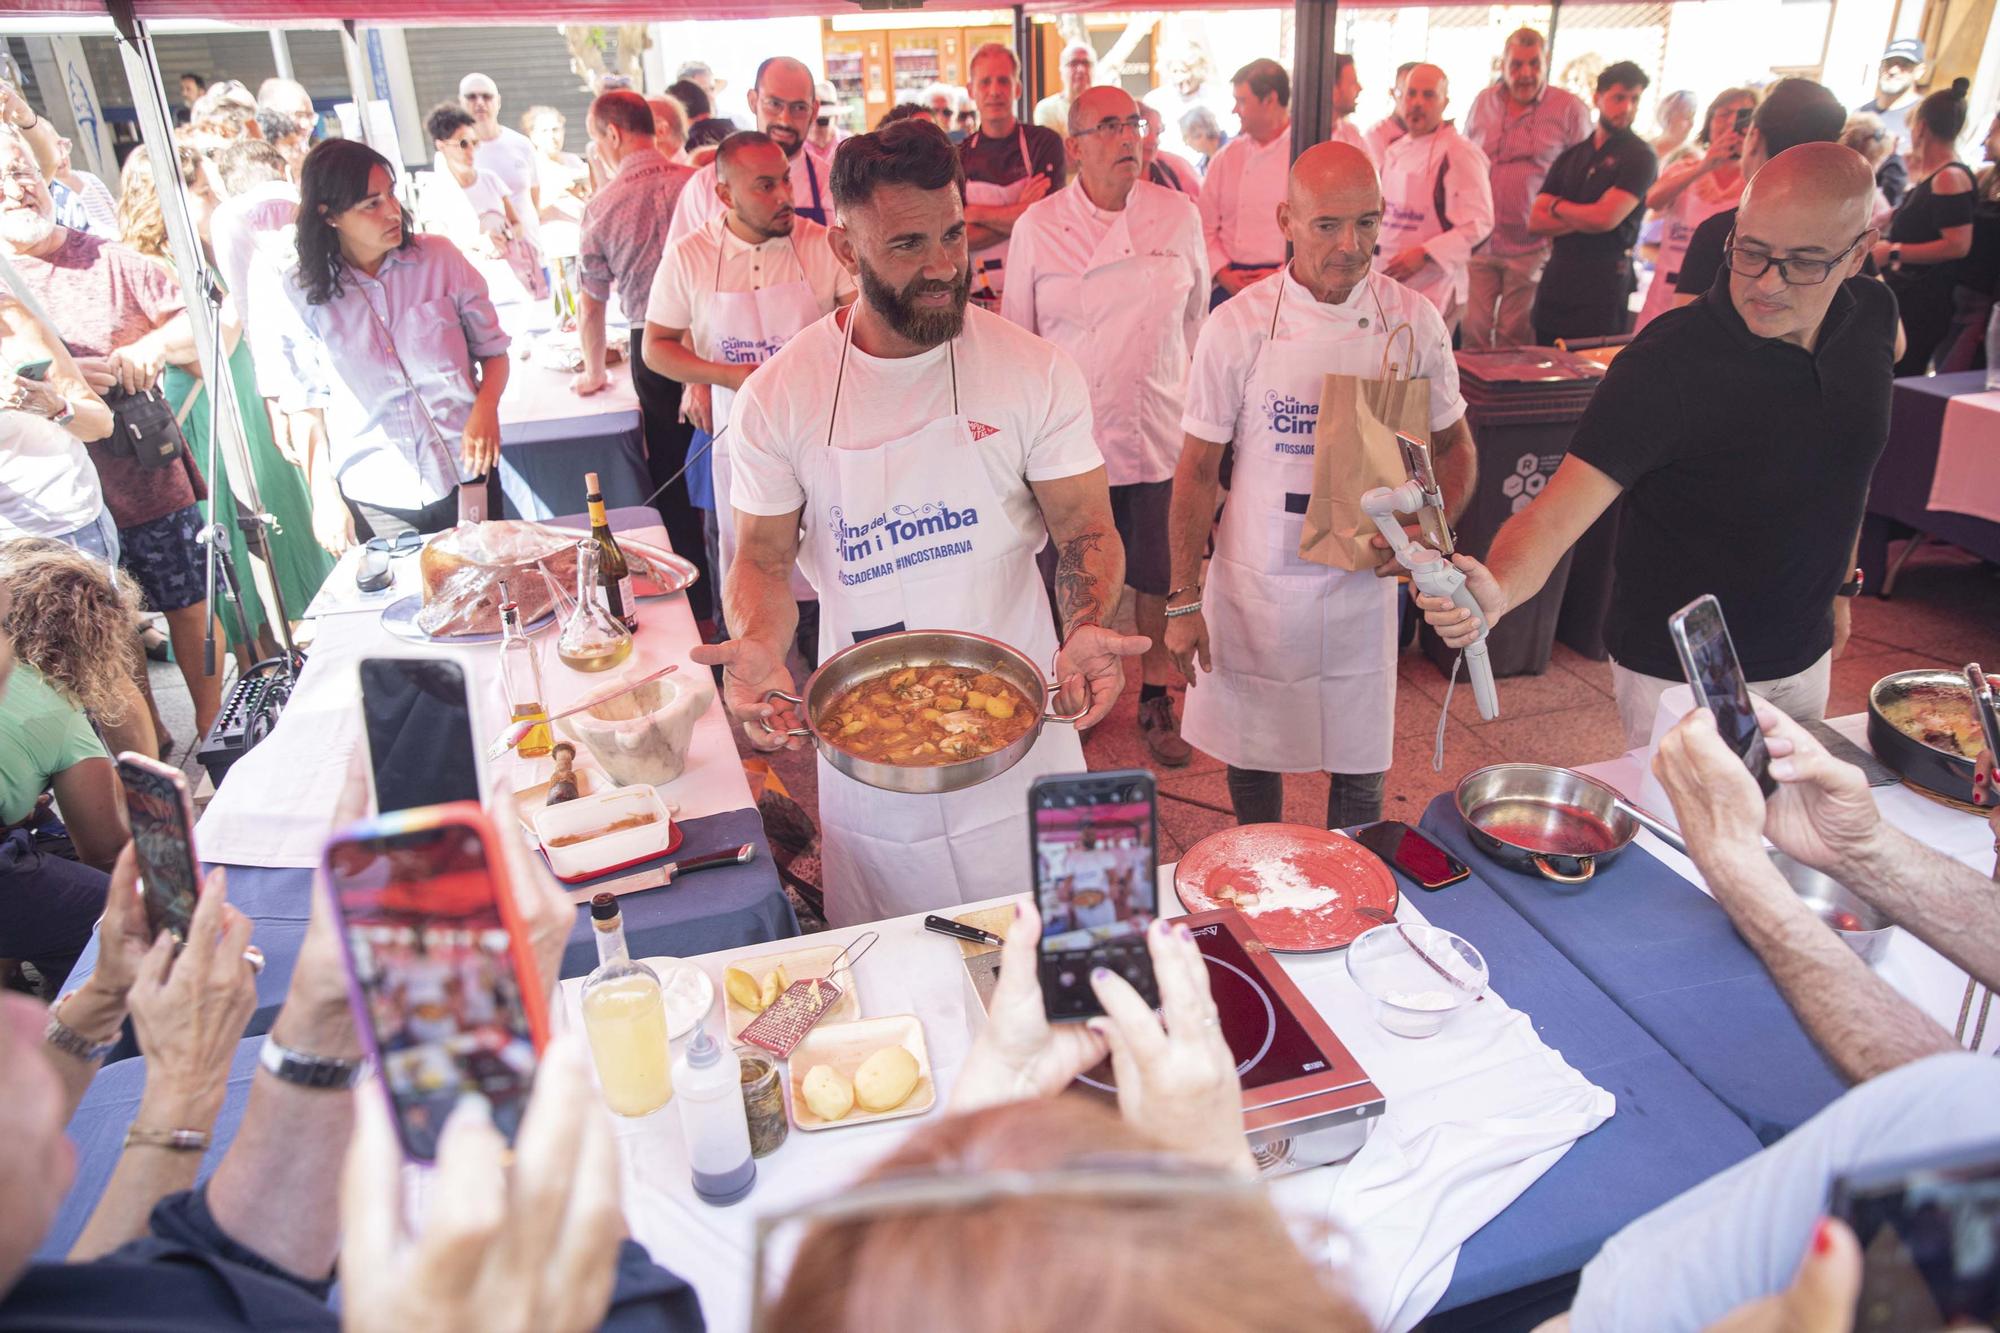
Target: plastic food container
{"type": "Point", "coordinates": [608, 851]}
{"type": "Point", "coordinates": [1411, 998]}
{"type": "Point", "coordinates": [643, 737]}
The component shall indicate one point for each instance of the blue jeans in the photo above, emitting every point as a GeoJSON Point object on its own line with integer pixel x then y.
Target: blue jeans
{"type": "Point", "coordinates": [98, 537]}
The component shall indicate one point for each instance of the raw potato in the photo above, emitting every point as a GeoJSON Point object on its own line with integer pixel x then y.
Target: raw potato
{"type": "Point", "coordinates": [743, 989]}
{"type": "Point", "coordinates": [885, 1079]}
{"type": "Point", "coordinates": [774, 982]}
{"type": "Point", "coordinates": [828, 1095]}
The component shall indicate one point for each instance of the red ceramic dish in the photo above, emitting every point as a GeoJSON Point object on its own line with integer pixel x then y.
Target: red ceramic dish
{"type": "Point", "coordinates": [1299, 888]}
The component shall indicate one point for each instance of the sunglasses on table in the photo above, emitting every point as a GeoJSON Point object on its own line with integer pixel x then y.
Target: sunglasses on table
{"type": "Point", "coordinates": [401, 544]}
{"type": "Point", "coordinates": [1792, 272]}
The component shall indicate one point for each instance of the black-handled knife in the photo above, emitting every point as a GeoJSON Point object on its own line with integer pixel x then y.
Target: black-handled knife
{"type": "Point", "coordinates": [661, 876]}
{"type": "Point", "coordinates": [959, 930]}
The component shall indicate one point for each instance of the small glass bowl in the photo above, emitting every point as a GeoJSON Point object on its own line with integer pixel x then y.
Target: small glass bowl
{"type": "Point", "coordinates": [1411, 999]}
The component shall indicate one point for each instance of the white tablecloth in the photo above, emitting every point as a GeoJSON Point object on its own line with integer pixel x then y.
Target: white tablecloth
{"type": "Point", "coordinates": [536, 393]}
{"type": "Point", "coordinates": [275, 808]}
{"type": "Point", "coordinates": [1917, 971]}
{"type": "Point", "coordinates": [1475, 1115]}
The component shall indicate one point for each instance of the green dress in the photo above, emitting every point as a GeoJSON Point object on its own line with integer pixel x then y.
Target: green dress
{"type": "Point", "coordinates": [298, 560]}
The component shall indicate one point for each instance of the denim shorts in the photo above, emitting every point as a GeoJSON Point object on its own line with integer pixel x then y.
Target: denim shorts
{"type": "Point", "coordinates": [165, 557]}
{"type": "Point", "coordinates": [98, 537]}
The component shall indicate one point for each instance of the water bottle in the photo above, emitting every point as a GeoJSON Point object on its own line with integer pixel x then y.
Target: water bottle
{"type": "Point", "coordinates": [1993, 348]}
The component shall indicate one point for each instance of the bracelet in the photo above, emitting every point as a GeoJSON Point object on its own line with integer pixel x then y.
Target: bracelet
{"type": "Point", "coordinates": [1191, 587]}
{"type": "Point", "coordinates": [309, 1071]}
{"type": "Point", "coordinates": [173, 1140]}
{"type": "Point", "coordinates": [1190, 609]}
{"type": "Point", "coordinates": [71, 1042]}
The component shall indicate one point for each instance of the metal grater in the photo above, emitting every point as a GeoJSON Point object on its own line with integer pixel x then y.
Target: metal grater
{"type": "Point", "coordinates": [784, 1024]}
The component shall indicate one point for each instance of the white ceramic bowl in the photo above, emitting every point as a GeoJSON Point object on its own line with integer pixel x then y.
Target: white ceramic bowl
{"type": "Point", "coordinates": [1411, 999]}
{"type": "Point", "coordinates": [644, 736]}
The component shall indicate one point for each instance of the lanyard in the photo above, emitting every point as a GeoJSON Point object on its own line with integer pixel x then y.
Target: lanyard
{"type": "Point", "coordinates": [389, 344]}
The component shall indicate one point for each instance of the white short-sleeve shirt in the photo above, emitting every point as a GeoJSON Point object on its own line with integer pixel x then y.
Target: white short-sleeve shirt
{"type": "Point", "coordinates": [691, 269]}
{"type": "Point", "coordinates": [1025, 398]}
{"type": "Point", "coordinates": [1218, 405]}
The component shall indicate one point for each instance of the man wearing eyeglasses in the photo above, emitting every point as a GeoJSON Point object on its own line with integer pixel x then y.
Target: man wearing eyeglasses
{"type": "Point", "coordinates": [1742, 431]}
{"type": "Point", "coordinates": [1114, 271]}
{"type": "Point", "coordinates": [506, 153]}
{"type": "Point", "coordinates": [786, 102]}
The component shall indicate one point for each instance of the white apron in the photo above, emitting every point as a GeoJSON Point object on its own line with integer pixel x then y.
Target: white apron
{"type": "Point", "coordinates": [1688, 211]}
{"type": "Point", "coordinates": [886, 853]}
{"type": "Point", "coordinates": [1304, 654]}
{"type": "Point", "coordinates": [1410, 217]}
{"type": "Point", "coordinates": [746, 328]}
{"type": "Point", "coordinates": [989, 266]}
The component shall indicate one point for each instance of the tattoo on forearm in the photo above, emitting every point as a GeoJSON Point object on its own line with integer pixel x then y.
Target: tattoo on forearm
{"type": "Point", "coordinates": [1078, 589]}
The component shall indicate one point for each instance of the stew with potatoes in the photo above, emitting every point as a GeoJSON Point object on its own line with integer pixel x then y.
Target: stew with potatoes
{"type": "Point", "coordinates": [924, 716]}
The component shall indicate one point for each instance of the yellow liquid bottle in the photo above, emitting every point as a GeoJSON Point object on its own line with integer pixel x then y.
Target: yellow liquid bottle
{"type": "Point", "coordinates": [591, 639]}
{"type": "Point", "coordinates": [521, 678]}
{"type": "Point", "coordinates": [625, 1019]}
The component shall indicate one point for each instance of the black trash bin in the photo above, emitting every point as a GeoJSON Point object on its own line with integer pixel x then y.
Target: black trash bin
{"type": "Point", "coordinates": [1523, 404]}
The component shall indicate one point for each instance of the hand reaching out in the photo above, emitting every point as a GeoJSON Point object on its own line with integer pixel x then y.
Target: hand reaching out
{"type": "Point", "coordinates": [1090, 663]}
{"type": "Point", "coordinates": [750, 671]}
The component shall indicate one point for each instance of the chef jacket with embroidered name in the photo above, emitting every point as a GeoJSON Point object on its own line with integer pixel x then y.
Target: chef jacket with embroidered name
{"type": "Point", "coordinates": [1304, 654]}
{"type": "Point", "coordinates": [812, 196]}
{"type": "Point", "coordinates": [1124, 293]}
{"type": "Point", "coordinates": [1436, 194]}
{"type": "Point", "coordinates": [392, 430]}
{"type": "Point", "coordinates": [1246, 182]}
{"type": "Point", "coordinates": [912, 477]}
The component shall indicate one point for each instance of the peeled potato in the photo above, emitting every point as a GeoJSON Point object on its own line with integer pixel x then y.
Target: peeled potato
{"type": "Point", "coordinates": [768, 994]}
{"type": "Point", "coordinates": [828, 1095]}
{"type": "Point", "coordinates": [743, 989]}
{"type": "Point", "coordinates": [885, 1079]}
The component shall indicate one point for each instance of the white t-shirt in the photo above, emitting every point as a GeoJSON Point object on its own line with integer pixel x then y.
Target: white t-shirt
{"type": "Point", "coordinates": [689, 272]}
{"type": "Point", "coordinates": [698, 202]}
{"type": "Point", "coordinates": [512, 158]}
{"type": "Point", "coordinates": [1349, 133]}
{"type": "Point", "coordinates": [48, 485]}
{"type": "Point", "coordinates": [236, 224]}
{"type": "Point", "coordinates": [1026, 400]}
{"type": "Point", "coordinates": [1218, 407]}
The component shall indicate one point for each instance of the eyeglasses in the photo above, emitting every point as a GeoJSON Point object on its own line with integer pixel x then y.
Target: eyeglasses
{"type": "Point", "coordinates": [479, 97]}
{"type": "Point", "coordinates": [822, 121]}
{"type": "Point", "coordinates": [1112, 128]}
{"type": "Point", "coordinates": [1793, 272]}
{"type": "Point", "coordinates": [773, 107]}
{"type": "Point", "coordinates": [401, 544]}
{"type": "Point", "coordinates": [461, 143]}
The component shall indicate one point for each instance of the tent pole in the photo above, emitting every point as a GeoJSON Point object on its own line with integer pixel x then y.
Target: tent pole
{"type": "Point", "coordinates": [1312, 72]}
{"type": "Point", "coordinates": [281, 53]}
{"type": "Point", "coordinates": [357, 86]}
{"type": "Point", "coordinates": [149, 99]}
{"type": "Point", "coordinates": [1030, 68]}
{"type": "Point", "coordinates": [1555, 14]}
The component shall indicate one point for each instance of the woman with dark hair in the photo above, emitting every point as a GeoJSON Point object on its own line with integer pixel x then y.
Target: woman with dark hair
{"type": "Point", "coordinates": [1965, 347]}
{"type": "Point", "coordinates": [385, 354]}
{"type": "Point", "coordinates": [1932, 227]}
{"type": "Point", "coordinates": [470, 205]}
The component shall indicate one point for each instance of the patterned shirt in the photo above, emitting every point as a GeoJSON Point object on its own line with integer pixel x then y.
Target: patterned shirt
{"type": "Point", "coordinates": [625, 229]}
{"type": "Point", "coordinates": [1522, 147]}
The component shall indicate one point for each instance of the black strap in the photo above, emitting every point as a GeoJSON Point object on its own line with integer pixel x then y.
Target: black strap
{"type": "Point", "coordinates": [1437, 196]}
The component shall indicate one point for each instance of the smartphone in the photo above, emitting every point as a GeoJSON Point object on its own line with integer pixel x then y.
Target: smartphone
{"type": "Point", "coordinates": [1709, 658]}
{"type": "Point", "coordinates": [1743, 115]}
{"type": "Point", "coordinates": [1094, 839]}
{"type": "Point", "coordinates": [419, 725]}
{"type": "Point", "coordinates": [162, 819]}
{"type": "Point", "coordinates": [34, 370]}
{"type": "Point", "coordinates": [1431, 866]}
{"type": "Point", "coordinates": [439, 968]}
{"type": "Point", "coordinates": [1930, 1240]}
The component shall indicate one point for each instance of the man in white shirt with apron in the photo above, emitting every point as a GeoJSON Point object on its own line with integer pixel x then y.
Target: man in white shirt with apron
{"type": "Point", "coordinates": [1113, 271]}
{"type": "Point", "coordinates": [785, 101]}
{"type": "Point", "coordinates": [912, 455]}
{"type": "Point", "coordinates": [1437, 199]}
{"type": "Point", "coordinates": [742, 285]}
{"type": "Point", "coordinates": [1008, 166]}
{"type": "Point", "coordinates": [1291, 665]}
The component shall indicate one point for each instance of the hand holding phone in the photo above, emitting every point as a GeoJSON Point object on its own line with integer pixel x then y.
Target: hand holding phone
{"type": "Point", "coordinates": [1929, 1231]}
{"type": "Point", "coordinates": [162, 820]}
{"type": "Point", "coordinates": [1716, 677]}
{"type": "Point", "coordinates": [1093, 837]}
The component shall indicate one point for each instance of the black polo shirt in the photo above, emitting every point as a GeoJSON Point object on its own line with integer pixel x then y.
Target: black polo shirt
{"type": "Point", "coordinates": [1745, 463]}
{"type": "Point", "coordinates": [1583, 174]}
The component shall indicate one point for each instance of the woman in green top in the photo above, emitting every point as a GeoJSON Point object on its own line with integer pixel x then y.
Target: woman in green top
{"type": "Point", "coordinates": [300, 564]}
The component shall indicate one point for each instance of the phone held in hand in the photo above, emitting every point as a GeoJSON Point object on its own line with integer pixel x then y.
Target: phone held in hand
{"type": "Point", "coordinates": [419, 725]}
{"type": "Point", "coordinates": [1709, 659]}
{"type": "Point", "coordinates": [1929, 1229]}
{"type": "Point", "coordinates": [1094, 838]}
{"type": "Point", "coordinates": [1427, 864]}
{"type": "Point", "coordinates": [440, 970]}
{"type": "Point", "coordinates": [162, 818]}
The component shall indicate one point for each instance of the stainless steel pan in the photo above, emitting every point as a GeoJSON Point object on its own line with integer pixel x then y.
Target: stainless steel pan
{"type": "Point", "coordinates": [923, 647]}
{"type": "Point", "coordinates": [1553, 821]}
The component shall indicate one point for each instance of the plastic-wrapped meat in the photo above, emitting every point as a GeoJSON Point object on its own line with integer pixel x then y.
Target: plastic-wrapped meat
{"type": "Point", "coordinates": [464, 566]}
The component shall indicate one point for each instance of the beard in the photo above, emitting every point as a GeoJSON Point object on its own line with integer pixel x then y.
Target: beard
{"type": "Point", "coordinates": [925, 328]}
{"type": "Point", "coordinates": [24, 228]}
{"type": "Point", "coordinates": [786, 138]}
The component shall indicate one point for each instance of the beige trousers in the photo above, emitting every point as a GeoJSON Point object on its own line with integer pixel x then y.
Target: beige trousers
{"type": "Point", "coordinates": [1802, 696]}
{"type": "Point", "coordinates": [1501, 299]}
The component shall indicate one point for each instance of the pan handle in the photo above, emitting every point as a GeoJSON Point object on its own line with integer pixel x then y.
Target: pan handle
{"type": "Point", "coordinates": [796, 702]}
{"type": "Point", "coordinates": [1049, 713]}
{"type": "Point", "coordinates": [1656, 826]}
{"type": "Point", "coordinates": [1543, 864]}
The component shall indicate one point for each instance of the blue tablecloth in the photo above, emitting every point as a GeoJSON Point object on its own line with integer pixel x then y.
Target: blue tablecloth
{"type": "Point", "coordinates": [1669, 1134]}
{"type": "Point", "coordinates": [542, 463]}
{"type": "Point", "coordinates": [1901, 489]}
{"type": "Point", "coordinates": [1668, 955]}
{"type": "Point", "coordinates": [722, 908]}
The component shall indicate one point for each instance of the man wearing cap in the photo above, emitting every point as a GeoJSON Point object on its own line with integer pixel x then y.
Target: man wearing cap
{"type": "Point", "coordinates": [1079, 70]}
{"type": "Point", "coordinates": [826, 132]}
{"type": "Point", "coordinates": [506, 153]}
{"type": "Point", "coordinates": [786, 102]}
{"type": "Point", "coordinates": [1114, 271]}
{"type": "Point", "coordinates": [1896, 80]}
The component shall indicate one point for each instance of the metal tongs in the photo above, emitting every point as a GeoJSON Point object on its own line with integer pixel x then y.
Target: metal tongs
{"type": "Point", "coordinates": [1983, 705]}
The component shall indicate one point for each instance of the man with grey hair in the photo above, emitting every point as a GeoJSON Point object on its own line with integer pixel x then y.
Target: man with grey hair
{"type": "Point", "coordinates": [1743, 431]}
{"type": "Point", "coordinates": [1079, 71]}
{"type": "Point", "coordinates": [1436, 203]}
{"type": "Point", "coordinates": [507, 153]}
{"type": "Point", "coordinates": [1523, 125]}
{"type": "Point", "coordinates": [286, 119]}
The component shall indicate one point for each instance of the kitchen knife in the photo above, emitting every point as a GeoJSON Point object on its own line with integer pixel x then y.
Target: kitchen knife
{"type": "Point", "coordinates": [661, 876]}
{"type": "Point", "coordinates": [960, 931]}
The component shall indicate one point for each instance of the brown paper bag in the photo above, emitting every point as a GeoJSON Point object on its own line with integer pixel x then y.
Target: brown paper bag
{"type": "Point", "coordinates": [1354, 451]}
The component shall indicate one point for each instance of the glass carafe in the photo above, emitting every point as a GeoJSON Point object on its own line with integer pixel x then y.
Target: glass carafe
{"type": "Point", "coordinates": [591, 638]}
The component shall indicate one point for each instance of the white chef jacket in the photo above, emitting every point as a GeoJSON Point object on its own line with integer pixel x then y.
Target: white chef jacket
{"type": "Point", "coordinates": [1347, 132]}
{"type": "Point", "coordinates": [234, 227]}
{"type": "Point", "coordinates": [1125, 294]}
{"type": "Point", "coordinates": [699, 202]}
{"type": "Point", "coordinates": [1416, 170]}
{"type": "Point", "coordinates": [1380, 135]}
{"type": "Point", "coordinates": [1239, 202]}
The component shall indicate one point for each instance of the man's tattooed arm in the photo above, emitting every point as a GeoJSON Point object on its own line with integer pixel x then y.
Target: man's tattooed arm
{"type": "Point", "coordinates": [1090, 560]}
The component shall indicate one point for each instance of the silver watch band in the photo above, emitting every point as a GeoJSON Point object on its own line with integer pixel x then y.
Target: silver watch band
{"type": "Point", "coordinates": [309, 1071]}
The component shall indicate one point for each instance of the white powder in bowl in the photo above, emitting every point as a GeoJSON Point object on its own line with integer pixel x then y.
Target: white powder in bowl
{"type": "Point", "coordinates": [1422, 999]}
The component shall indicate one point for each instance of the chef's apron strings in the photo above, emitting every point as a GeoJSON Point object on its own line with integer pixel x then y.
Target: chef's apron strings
{"type": "Point", "coordinates": [840, 371]}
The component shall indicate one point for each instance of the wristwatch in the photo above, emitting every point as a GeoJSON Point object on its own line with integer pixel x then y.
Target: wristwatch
{"type": "Point", "coordinates": [65, 414]}
{"type": "Point", "coordinates": [71, 1042]}
{"type": "Point", "coordinates": [309, 1071]}
{"type": "Point", "coordinates": [1851, 588]}
{"type": "Point", "coordinates": [1895, 256]}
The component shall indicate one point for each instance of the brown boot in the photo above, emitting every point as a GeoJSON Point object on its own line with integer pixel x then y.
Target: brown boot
{"type": "Point", "coordinates": [1163, 732]}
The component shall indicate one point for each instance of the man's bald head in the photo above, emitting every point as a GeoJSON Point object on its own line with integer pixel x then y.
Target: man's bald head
{"type": "Point", "coordinates": [1105, 101]}
{"type": "Point", "coordinates": [1809, 206]}
{"type": "Point", "coordinates": [1332, 214]}
{"type": "Point", "coordinates": [1426, 91]}
{"type": "Point", "coordinates": [1104, 134]}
